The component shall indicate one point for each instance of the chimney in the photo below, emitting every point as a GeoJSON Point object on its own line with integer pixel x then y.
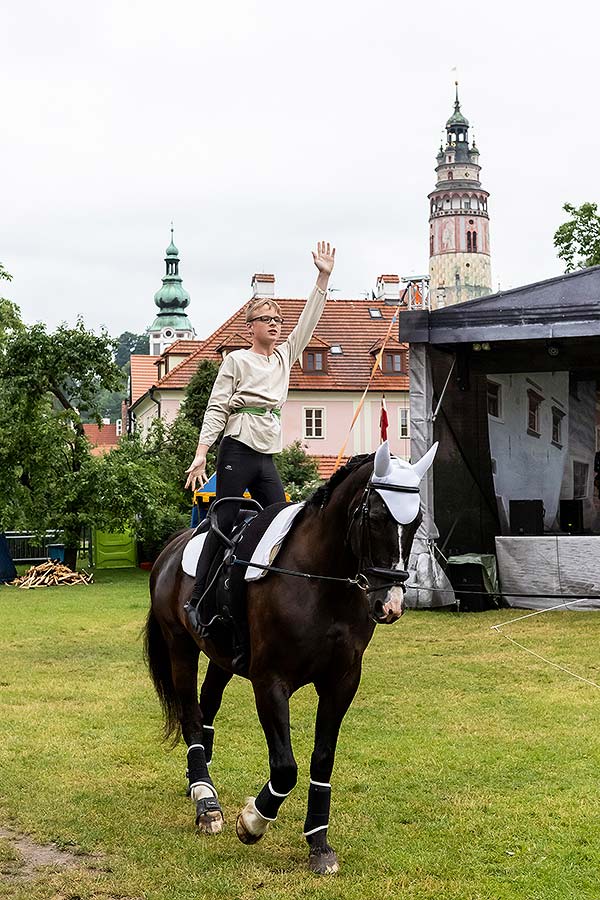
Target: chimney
{"type": "Point", "coordinates": [388, 289]}
{"type": "Point", "coordinates": [263, 286]}
{"type": "Point", "coordinates": [124, 419]}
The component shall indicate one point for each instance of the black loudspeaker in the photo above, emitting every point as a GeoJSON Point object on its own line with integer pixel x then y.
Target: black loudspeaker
{"type": "Point", "coordinates": [526, 516]}
{"type": "Point", "coordinates": [571, 516]}
{"type": "Point", "coordinates": [469, 587]}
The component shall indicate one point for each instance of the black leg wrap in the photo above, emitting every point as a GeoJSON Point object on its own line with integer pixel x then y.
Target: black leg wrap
{"type": "Point", "coordinates": [319, 801]}
{"type": "Point", "coordinates": [268, 802]}
{"type": "Point", "coordinates": [208, 739]}
{"type": "Point", "coordinates": [207, 805]}
{"type": "Point", "coordinates": [196, 765]}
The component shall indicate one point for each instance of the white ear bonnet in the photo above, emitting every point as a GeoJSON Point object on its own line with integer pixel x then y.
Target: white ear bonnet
{"type": "Point", "coordinates": [390, 473]}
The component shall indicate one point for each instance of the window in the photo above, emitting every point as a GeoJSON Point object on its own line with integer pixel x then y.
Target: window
{"type": "Point", "coordinates": [580, 479]}
{"type": "Point", "coordinates": [155, 349]}
{"type": "Point", "coordinates": [336, 349]}
{"type": "Point", "coordinates": [392, 363]}
{"type": "Point", "coordinates": [314, 361]}
{"type": "Point", "coordinates": [533, 413]}
{"type": "Point", "coordinates": [557, 417]}
{"type": "Point", "coordinates": [314, 422]}
{"type": "Point", "coordinates": [474, 237]}
{"type": "Point", "coordinates": [469, 245]}
{"type": "Point", "coordinates": [450, 176]}
{"type": "Point", "coordinates": [494, 399]}
{"type": "Point", "coordinates": [375, 313]}
{"type": "Point", "coordinates": [404, 422]}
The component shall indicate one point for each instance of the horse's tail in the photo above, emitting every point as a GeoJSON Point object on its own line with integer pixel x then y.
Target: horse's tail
{"type": "Point", "coordinates": [158, 659]}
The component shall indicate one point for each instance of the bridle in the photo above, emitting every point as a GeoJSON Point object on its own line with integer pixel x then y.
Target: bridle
{"type": "Point", "coordinates": [366, 570]}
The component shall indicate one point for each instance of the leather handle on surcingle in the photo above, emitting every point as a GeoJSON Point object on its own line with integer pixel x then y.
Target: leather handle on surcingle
{"type": "Point", "coordinates": [361, 402]}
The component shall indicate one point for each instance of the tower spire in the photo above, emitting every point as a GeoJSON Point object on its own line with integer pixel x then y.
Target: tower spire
{"type": "Point", "coordinates": [172, 299]}
{"type": "Point", "coordinates": [459, 254]}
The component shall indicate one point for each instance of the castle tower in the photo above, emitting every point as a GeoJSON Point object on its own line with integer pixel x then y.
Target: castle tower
{"type": "Point", "coordinates": [172, 323]}
{"type": "Point", "coordinates": [459, 238]}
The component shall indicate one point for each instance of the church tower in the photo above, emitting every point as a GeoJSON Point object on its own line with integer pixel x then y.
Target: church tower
{"type": "Point", "coordinates": [459, 237]}
{"type": "Point", "coordinates": [172, 323]}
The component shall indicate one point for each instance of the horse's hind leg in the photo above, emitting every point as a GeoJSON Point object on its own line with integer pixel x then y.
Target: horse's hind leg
{"type": "Point", "coordinates": [184, 667]}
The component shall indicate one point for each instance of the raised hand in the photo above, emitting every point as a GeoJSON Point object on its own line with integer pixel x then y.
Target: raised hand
{"type": "Point", "coordinates": [324, 258]}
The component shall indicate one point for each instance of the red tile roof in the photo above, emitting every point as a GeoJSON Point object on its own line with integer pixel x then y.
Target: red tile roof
{"type": "Point", "coordinates": [102, 437]}
{"type": "Point", "coordinates": [262, 276]}
{"type": "Point", "coordinates": [326, 465]}
{"type": "Point", "coordinates": [344, 322]}
{"type": "Point", "coordinates": [183, 345]}
{"type": "Point", "coordinates": [235, 341]}
{"type": "Point", "coordinates": [143, 375]}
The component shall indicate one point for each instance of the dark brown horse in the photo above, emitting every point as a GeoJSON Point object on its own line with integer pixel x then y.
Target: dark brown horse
{"type": "Point", "coordinates": [357, 530]}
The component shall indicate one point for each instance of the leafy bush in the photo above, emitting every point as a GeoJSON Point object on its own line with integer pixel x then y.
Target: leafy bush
{"type": "Point", "coordinates": [298, 471]}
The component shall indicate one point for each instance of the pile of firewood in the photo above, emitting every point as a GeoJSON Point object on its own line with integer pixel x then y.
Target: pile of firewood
{"type": "Point", "coordinates": [49, 574]}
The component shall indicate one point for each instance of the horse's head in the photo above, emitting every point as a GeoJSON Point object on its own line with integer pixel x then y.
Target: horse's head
{"type": "Point", "coordinates": [384, 524]}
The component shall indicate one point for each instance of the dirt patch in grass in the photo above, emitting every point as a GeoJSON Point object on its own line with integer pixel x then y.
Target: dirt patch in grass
{"type": "Point", "coordinates": [21, 857]}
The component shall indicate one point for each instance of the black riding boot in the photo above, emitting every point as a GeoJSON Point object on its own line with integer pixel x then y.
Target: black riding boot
{"type": "Point", "coordinates": [212, 546]}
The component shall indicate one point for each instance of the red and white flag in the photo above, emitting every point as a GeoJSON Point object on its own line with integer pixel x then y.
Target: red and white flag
{"type": "Point", "coordinates": [383, 420]}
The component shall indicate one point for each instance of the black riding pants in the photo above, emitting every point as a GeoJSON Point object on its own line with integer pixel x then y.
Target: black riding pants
{"type": "Point", "coordinates": [238, 467]}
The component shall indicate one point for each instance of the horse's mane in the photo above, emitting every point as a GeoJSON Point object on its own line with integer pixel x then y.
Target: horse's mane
{"type": "Point", "coordinates": [322, 495]}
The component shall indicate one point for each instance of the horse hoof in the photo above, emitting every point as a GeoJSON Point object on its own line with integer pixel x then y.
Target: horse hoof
{"type": "Point", "coordinates": [323, 863]}
{"type": "Point", "coordinates": [210, 823]}
{"type": "Point", "coordinates": [245, 836]}
{"type": "Point", "coordinates": [209, 816]}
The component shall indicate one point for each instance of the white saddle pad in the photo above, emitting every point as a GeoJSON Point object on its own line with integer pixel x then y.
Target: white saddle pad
{"type": "Point", "coordinates": [191, 554]}
{"type": "Point", "coordinates": [266, 549]}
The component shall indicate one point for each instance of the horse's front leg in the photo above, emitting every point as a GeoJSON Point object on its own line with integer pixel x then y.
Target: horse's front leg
{"type": "Point", "coordinates": [272, 704]}
{"type": "Point", "coordinates": [334, 699]}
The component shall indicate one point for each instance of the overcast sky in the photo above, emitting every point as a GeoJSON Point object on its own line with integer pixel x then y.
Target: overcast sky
{"type": "Point", "coordinates": [262, 127]}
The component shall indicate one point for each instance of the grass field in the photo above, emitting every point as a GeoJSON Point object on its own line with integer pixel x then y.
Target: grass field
{"type": "Point", "coordinates": [466, 769]}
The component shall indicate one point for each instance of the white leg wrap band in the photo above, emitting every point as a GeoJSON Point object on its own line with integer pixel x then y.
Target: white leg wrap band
{"type": "Point", "coordinates": [202, 789]}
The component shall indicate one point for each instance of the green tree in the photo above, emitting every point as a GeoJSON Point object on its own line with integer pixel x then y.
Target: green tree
{"type": "Point", "coordinates": [198, 392]}
{"type": "Point", "coordinates": [128, 343]}
{"type": "Point", "coordinates": [138, 486]}
{"type": "Point", "coordinates": [297, 470]}
{"type": "Point", "coordinates": [578, 240]}
{"type": "Point", "coordinates": [47, 382]}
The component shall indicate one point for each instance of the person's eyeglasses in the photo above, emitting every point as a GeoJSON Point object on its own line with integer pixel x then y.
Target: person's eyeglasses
{"type": "Point", "coordinates": [268, 319]}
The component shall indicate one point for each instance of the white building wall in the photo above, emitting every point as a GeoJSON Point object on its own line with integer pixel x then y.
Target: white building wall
{"type": "Point", "coordinates": [528, 467]}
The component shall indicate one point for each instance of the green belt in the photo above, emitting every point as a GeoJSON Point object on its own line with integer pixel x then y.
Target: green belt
{"type": "Point", "coordinates": [257, 411]}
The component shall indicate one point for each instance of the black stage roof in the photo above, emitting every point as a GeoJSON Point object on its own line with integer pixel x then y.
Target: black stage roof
{"type": "Point", "coordinates": [549, 326]}
{"type": "Point", "coordinates": [564, 307]}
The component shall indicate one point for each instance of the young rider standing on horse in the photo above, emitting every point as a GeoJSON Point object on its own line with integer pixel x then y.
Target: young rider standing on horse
{"type": "Point", "coordinates": [245, 404]}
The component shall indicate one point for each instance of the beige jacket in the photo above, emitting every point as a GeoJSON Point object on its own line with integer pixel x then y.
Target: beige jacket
{"type": "Point", "coordinates": [247, 378]}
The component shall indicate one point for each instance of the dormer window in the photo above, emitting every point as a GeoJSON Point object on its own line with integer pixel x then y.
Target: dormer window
{"type": "Point", "coordinates": [393, 363]}
{"type": "Point", "coordinates": [314, 361]}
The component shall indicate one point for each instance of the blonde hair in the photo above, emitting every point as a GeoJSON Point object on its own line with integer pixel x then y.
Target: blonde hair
{"type": "Point", "coordinates": [258, 303]}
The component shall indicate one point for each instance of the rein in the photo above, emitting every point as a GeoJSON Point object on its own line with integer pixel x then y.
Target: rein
{"type": "Point", "coordinates": [361, 580]}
